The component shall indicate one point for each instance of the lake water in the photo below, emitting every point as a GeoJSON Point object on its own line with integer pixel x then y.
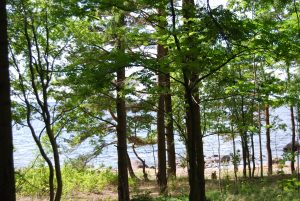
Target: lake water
{"type": "Point", "coordinates": [26, 150]}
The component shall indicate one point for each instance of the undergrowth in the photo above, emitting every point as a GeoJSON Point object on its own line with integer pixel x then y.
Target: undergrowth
{"type": "Point", "coordinates": [34, 181]}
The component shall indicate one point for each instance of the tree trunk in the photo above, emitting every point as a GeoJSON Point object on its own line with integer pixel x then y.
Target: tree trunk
{"type": "Point", "coordinates": [235, 162]}
{"type": "Point", "coordinates": [130, 169]}
{"type": "Point", "coordinates": [248, 159]}
{"type": "Point", "coordinates": [244, 137]}
{"type": "Point", "coordinates": [269, 151]}
{"type": "Point", "coordinates": [123, 188]}
{"type": "Point", "coordinates": [193, 120]}
{"type": "Point", "coordinates": [170, 130]}
{"type": "Point", "coordinates": [59, 183]}
{"type": "Point", "coordinates": [260, 144]}
{"type": "Point", "coordinates": [47, 120]}
{"type": "Point", "coordinates": [244, 155]}
{"type": "Point", "coordinates": [143, 162]}
{"type": "Point", "coordinates": [253, 155]}
{"type": "Point", "coordinates": [161, 140]}
{"type": "Point", "coordinates": [194, 148]}
{"type": "Point", "coordinates": [252, 136]}
{"type": "Point", "coordinates": [7, 180]}
{"type": "Point", "coordinates": [293, 139]}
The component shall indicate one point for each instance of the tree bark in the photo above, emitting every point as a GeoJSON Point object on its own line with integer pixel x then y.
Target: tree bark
{"type": "Point", "coordinates": [57, 169]}
{"type": "Point", "coordinates": [7, 179]}
{"type": "Point", "coordinates": [268, 138]}
{"type": "Point", "coordinates": [293, 139]}
{"type": "Point", "coordinates": [244, 154]}
{"type": "Point", "coordinates": [235, 162]}
{"type": "Point", "coordinates": [193, 121]}
{"type": "Point", "coordinates": [161, 140]}
{"type": "Point", "coordinates": [293, 125]}
{"type": "Point", "coordinates": [194, 148]}
{"type": "Point", "coordinates": [130, 169]}
{"type": "Point", "coordinates": [170, 130]}
{"type": "Point", "coordinates": [143, 162]}
{"type": "Point", "coordinates": [253, 155]}
{"type": "Point", "coordinates": [248, 158]}
{"type": "Point", "coordinates": [260, 144]}
{"type": "Point", "coordinates": [123, 187]}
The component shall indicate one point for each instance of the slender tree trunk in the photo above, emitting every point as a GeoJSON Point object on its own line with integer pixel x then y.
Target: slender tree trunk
{"type": "Point", "coordinates": [293, 139]}
{"type": "Point", "coordinates": [269, 151]}
{"type": "Point", "coordinates": [170, 130]}
{"type": "Point", "coordinates": [244, 140]}
{"type": "Point", "coordinates": [38, 142]}
{"type": "Point", "coordinates": [54, 146]}
{"type": "Point", "coordinates": [143, 162]}
{"type": "Point", "coordinates": [51, 179]}
{"type": "Point", "coordinates": [257, 96]}
{"type": "Point", "coordinates": [248, 159]}
{"type": "Point", "coordinates": [219, 163]}
{"type": "Point", "coordinates": [244, 155]}
{"type": "Point", "coordinates": [298, 138]}
{"type": "Point", "coordinates": [59, 182]}
{"type": "Point", "coordinates": [130, 169]}
{"type": "Point", "coordinates": [253, 155]}
{"type": "Point", "coordinates": [260, 144]}
{"type": "Point", "coordinates": [7, 180]}
{"type": "Point", "coordinates": [292, 124]}
{"type": "Point", "coordinates": [41, 96]}
{"type": "Point", "coordinates": [235, 162]}
{"type": "Point", "coordinates": [252, 134]}
{"type": "Point", "coordinates": [161, 140]}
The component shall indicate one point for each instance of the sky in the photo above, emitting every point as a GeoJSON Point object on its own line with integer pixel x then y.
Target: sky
{"type": "Point", "coordinates": [214, 3]}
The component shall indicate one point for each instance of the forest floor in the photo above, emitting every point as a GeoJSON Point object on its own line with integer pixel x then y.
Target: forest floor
{"type": "Point", "coordinates": [216, 189]}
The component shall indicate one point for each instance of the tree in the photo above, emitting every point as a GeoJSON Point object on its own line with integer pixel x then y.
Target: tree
{"type": "Point", "coordinates": [191, 55]}
{"type": "Point", "coordinates": [161, 129]}
{"type": "Point", "coordinates": [7, 179]}
{"type": "Point", "coordinates": [161, 139]}
{"type": "Point", "coordinates": [106, 60]}
{"type": "Point", "coordinates": [123, 187]}
{"type": "Point", "coordinates": [36, 51]}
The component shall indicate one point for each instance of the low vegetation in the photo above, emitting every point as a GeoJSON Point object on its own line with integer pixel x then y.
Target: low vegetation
{"type": "Point", "coordinates": [32, 182]}
{"type": "Point", "coordinates": [101, 184]}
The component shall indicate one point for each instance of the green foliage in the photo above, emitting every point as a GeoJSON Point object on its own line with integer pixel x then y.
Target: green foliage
{"type": "Point", "coordinates": [289, 156]}
{"type": "Point", "coordinates": [78, 46]}
{"type": "Point", "coordinates": [290, 185]}
{"type": "Point", "coordinates": [88, 180]}
{"type": "Point", "coordinates": [34, 181]}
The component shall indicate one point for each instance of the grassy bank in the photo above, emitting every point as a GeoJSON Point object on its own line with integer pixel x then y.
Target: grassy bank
{"type": "Point", "coordinates": [91, 184]}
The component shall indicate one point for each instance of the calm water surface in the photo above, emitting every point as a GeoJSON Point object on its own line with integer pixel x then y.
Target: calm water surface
{"type": "Point", "coordinates": [26, 150]}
